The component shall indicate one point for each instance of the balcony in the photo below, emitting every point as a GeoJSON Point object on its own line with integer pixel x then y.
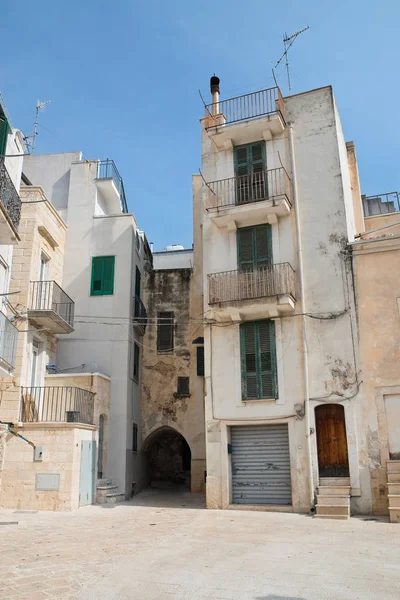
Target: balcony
{"type": "Point", "coordinates": [267, 291]}
{"type": "Point", "coordinates": [10, 208]}
{"type": "Point", "coordinates": [241, 119]}
{"type": "Point", "coordinates": [51, 307]}
{"type": "Point", "coordinates": [8, 345]}
{"type": "Point", "coordinates": [250, 199]}
{"type": "Point", "coordinates": [111, 186]}
{"type": "Point", "coordinates": [381, 204]}
{"type": "Point", "coordinates": [55, 404]}
{"type": "Point", "coordinates": [139, 315]}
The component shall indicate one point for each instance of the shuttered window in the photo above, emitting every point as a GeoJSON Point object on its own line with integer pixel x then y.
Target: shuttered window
{"type": "Point", "coordinates": [258, 357]}
{"type": "Point", "coordinates": [165, 332]}
{"type": "Point", "coordinates": [134, 437]}
{"type": "Point", "coordinates": [200, 361]}
{"type": "Point", "coordinates": [138, 279]}
{"type": "Point", "coordinates": [102, 283]}
{"type": "Point", "coordinates": [254, 246]}
{"type": "Point", "coordinates": [183, 386]}
{"type": "Point", "coordinates": [250, 165]}
{"type": "Point", "coordinates": [3, 135]}
{"type": "Point", "coordinates": [136, 363]}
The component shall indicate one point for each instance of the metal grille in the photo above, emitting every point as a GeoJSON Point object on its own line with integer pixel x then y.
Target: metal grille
{"type": "Point", "coordinates": [248, 106]}
{"type": "Point", "coordinates": [107, 169]}
{"type": "Point", "coordinates": [261, 465]}
{"type": "Point", "coordinates": [140, 313]}
{"type": "Point", "coordinates": [381, 204]}
{"type": "Point", "coordinates": [56, 404]}
{"type": "Point", "coordinates": [47, 295]}
{"type": "Point", "coordinates": [253, 187]}
{"type": "Point", "coordinates": [8, 340]}
{"type": "Point", "coordinates": [263, 282]}
{"type": "Point", "coordinates": [9, 197]}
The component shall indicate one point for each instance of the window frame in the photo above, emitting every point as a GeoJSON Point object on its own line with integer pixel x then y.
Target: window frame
{"type": "Point", "coordinates": [200, 363]}
{"type": "Point", "coordinates": [163, 321]}
{"type": "Point", "coordinates": [103, 291]}
{"type": "Point", "coordinates": [185, 392]}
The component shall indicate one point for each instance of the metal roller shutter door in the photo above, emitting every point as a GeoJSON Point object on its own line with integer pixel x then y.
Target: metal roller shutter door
{"type": "Point", "coordinates": [261, 465]}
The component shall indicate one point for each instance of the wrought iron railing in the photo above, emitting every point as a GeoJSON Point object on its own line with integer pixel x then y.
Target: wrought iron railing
{"type": "Point", "coordinates": [9, 196]}
{"type": "Point", "coordinates": [107, 169]}
{"type": "Point", "coordinates": [254, 187]}
{"type": "Point", "coordinates": [56, 404]}
{"type": "Point", "coordinates": [248, 106]}
{"type": "Point", "coordinates": [8, 340]}
{"type": "Point", "coordinates": [139, 313]}
{"type": "Point", "coordinates": [262, 282]}
{"type": "Point", "coordinates": [47, 295]}
{"type": "Point", "coordinates": [381, 204]}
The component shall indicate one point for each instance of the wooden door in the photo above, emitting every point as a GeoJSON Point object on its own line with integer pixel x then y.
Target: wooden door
{"type": "Point", "coordinates": [331, 441]}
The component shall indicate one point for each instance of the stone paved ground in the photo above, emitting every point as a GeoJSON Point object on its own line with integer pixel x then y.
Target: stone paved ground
{"type": "Point", "coordinates": [166, 546]}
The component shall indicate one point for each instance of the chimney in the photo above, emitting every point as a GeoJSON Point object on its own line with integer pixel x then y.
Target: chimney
{"type": "Point", "coordinates": [214, 87]}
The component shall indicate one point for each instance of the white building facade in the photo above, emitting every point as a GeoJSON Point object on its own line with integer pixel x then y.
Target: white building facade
{"type": "Point", "coordinates": [280, 335]}
{"type": "Point", "coordinates": [105, 258]}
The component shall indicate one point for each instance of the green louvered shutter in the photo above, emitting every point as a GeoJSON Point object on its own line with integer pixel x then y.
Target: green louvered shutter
{"type": "Point", "coordinates": [102, 276]}
{"type": "Point", "coordinates": [108, 275]}
{"type": "Point", "coordinates": [245, 242]}
{"type": "Point", "coordinates": [138, 278]}
{"type": "Point", "coordinates": [250, 165]}
{"type": "Point", "coordinates": [263, 245]}
{"type": "Point", "coordinates": [3, 135]}
{"type": "Point", "coordinates": [242, 170]}
{"type": "Point", "coordinates": [249, 361]}
{"type": "Point", "coordinates": [254, 246]}
{"type": "Point", "coordinates": [258, 356]}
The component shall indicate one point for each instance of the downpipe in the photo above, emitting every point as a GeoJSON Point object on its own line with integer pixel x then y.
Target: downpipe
{"type": "Point", "coordinates": [304, 318]}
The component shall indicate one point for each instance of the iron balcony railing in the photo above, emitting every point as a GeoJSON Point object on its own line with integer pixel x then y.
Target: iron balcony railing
{"type": "Point", "coordinates": [248, 106]}
{"type": "Point", "coordinates": [8, 340]}
{"type": "Point", "coordinates": [381, 204]}
{"type": "Point", "coordinates": [107, 169]}
{"type": "Point", "coordinates": [254, 187]}
{"type": "Point", "coordinates": [139, 313]}
{"type": "Point", "coordinates": [56, 404]}
{"type": "Point", "coordinates": [47, 295]}
{"type": "Point", "coordinates": [9, 196]}
{"type": "Point", "coordinates": [261, 282]}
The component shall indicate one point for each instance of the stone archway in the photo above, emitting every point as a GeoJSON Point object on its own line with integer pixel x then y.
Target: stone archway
{"type": "Point", "coordinates": [168, 458]}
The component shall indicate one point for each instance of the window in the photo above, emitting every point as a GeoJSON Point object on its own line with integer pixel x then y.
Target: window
{"type": "Point", "coordinates": [200, 361]}
{"type": "Point", "coordinates": [165, 332]}
{"type": "Point", "coordinates": [136, 361]}
{"type": "Point", "coordinates": [183, 386]}
{"type": "Point", "coordinates": [250, 165]}
{"type": "Point", "coordinates": [3, 135]}
{"type": "Point", "coordinates": [254, 245]}
{"type": "Point", "coordinates": [134, 437]}
{"type": "Point", "coordinates": [258, 357]}
{"type": "Point", "coordinates": [102, 276]}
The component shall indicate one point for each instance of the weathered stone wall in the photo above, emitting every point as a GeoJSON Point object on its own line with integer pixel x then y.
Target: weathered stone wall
{"type": "Point", "coordinates": [170, 290]}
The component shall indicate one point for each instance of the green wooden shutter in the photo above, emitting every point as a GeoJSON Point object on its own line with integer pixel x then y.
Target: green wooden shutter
{"type": "Point", "coordinates": [136, 359]}
{"type": "Point", "coordinates": [3, 135]}
{"type": "Point", "coordinates": [263, 245]}
{"type": "Point", "coordinates": [138, 278]}
{"type": "Point", "coordinates": [102, 276]}
{"type": "Point", "coordinates": [245, 243]}
{"type": "Point", "coordinates": [200, 361]}
{"type": "Point", "coordinates": [249, 363]}
{"type": "Point", "coordinates": [258, 357]}
{"type": "Point", "coordinates": [165, 332]}
{"type": "Point", "coordinates": [242, 170]}
{"type": "Point", "coordinates": [257, 156]}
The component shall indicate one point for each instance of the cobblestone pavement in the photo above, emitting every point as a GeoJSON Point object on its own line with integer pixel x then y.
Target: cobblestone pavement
{"type": "Point", "coordinates": [164, 545]}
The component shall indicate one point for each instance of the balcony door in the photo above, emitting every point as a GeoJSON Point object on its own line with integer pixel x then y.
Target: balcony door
{"type": "Point", "coordinates": [43, 291]}
{"type": "Point", "coordinates": [250, 165]}
{"type": "Point", "coordinates": [254, 246]}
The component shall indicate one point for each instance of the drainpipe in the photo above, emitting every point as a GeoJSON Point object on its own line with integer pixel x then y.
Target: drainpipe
{"type": "Point", "coordinates": [303, 312]}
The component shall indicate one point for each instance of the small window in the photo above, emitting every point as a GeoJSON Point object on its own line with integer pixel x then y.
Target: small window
{"type": "Point", "coordinates": [165, 332]}
{"type": "Point", "coordinates": [136, 359]}
{"type": "Point", "coordinates": [102, 276]}
{"type": "Point", "coordinates": [134, 437]}
{"type": "Point", "coordinates": [200, 361]}
{"type": "Point", "coordinates": [183, 386]}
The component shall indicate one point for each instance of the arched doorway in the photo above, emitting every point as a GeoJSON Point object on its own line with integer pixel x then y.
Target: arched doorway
{"type": "Point", "coordinates": [333, 460]}
{"type": "Point", "coordinates": [168, 458]}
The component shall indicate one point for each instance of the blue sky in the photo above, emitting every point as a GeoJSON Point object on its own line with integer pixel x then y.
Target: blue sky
{"type": "Point", "coordinates": [123, 80]}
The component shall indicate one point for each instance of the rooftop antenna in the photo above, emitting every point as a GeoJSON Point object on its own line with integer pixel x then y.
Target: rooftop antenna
{"type": "Point", "coordinates": [288, 41]}
{"type": "Point", "coordinates": [30, 139]}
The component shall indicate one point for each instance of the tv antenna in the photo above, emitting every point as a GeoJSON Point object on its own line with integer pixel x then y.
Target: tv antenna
{"type": "Point", "coordinates": [288, 41]}
{"type": "Point", "coordinates": [30, 139]}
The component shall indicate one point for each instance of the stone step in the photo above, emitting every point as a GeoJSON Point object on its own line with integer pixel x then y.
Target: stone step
{"type": "Point", "coordinates": [114, 498]}
{"type": "Point", "coordinates": [333, 500]}
{"type": "Point", "coordinates": [393, 477]}
{"type": "Point", "coordinates": [394, 488]}
{"type": "Point", "coordinates": [103, 491]}
{"type": "Point", "coordinates": [333, 510]}
{"type": "Point", "coordinates": [394, 514]}
{"type": "Point", "coordinates": [332, 490]}
{"type": "Point", "coordinates": [394, 500]}
{"type": "Point", "coordinates": [393, 466]}
{"type": "Point", "coordinates": [102, 488]}
{"type": "Point", "coordinates": [104, 481]}
{"type": "Point", "coordinates": [327, 481]}
{"type": "Point", "coordinates": [338, 517]}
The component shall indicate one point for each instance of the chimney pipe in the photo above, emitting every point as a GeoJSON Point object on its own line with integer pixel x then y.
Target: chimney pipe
{"type": "Point", "coordinates": [214, 87]}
